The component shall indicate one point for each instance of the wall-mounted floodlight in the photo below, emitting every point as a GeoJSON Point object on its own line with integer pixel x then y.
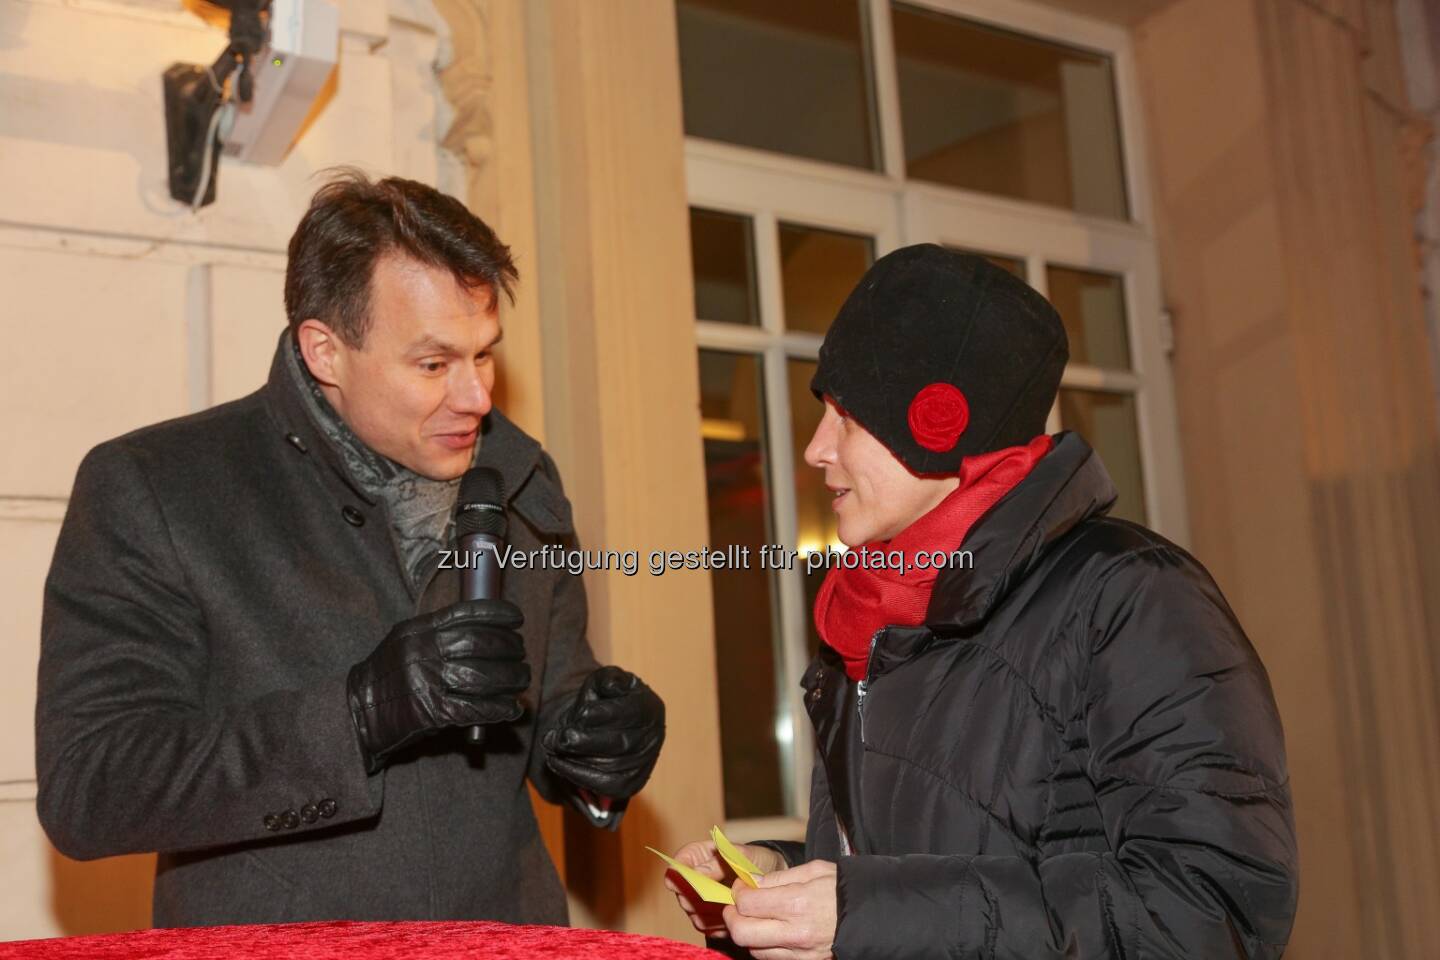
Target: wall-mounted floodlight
{"type": "Point", "coordinates": [254, 100]}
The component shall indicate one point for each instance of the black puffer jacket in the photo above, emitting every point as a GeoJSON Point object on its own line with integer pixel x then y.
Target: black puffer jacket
{"type": "Point", "coordinates": [1077, 756]}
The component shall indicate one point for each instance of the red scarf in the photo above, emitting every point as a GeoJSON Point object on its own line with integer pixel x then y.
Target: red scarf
{"type": "Point", "coordinates": [853, 604]}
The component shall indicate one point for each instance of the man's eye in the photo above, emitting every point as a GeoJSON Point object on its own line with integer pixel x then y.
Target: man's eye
{"type": "Point", "coordinates": [432, 366]}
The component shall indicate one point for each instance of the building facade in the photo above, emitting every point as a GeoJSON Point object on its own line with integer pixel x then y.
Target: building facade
{"type": "Point", "coordinates": [1220, 196]}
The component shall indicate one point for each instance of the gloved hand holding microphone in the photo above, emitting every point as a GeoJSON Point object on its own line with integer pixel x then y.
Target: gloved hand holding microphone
{"type": "Point", "coordinates": [464, 666]}
{"type": "Point", "coordinates": [460, 666]}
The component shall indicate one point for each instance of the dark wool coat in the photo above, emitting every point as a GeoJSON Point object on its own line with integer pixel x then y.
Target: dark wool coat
{"type": "Point", "coordinates": [1078, 754]}
{"type": "Point", "coordinates": [215, 578]}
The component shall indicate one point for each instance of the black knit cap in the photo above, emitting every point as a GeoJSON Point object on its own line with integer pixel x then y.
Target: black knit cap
{"type": "Point", "coordinates": [943, 355]}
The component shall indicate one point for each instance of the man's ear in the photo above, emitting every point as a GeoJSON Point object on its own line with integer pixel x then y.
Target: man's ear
{"type": "Point", "coordinates": [322, 350]}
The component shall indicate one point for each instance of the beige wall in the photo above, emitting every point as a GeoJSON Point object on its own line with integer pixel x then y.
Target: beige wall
{"type": "Point", "coordinates": [622, 406]}
{"type": "Point", "coordinates": [1278, 130]}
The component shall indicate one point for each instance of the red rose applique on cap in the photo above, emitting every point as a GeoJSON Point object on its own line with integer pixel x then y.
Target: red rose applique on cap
{"type": "Point", "coordinates": [938, 416]}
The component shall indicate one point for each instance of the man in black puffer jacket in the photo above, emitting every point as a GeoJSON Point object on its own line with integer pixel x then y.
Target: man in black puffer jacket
{"type": "Point", "coordinates": [1070, 749]}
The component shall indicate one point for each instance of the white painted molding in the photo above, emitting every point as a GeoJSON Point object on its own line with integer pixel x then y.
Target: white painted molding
{"type": "Point", "coordinates": [17, 791]}
{"type": "Point", "coordinates": [42, 509]}
{"type": "Point", "coordinates": [130, 247]}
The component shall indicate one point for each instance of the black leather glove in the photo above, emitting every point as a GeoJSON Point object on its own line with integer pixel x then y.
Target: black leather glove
{"type": "Point", "coordinates": [609, 738]}
{"type": "Point", "coordinates": [456, 667]}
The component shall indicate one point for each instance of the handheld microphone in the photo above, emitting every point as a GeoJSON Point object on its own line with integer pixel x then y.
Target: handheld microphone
{"type": "Point", "coordinates": [480, 526]}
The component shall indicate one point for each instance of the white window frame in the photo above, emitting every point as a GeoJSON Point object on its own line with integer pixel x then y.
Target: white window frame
{"type": "Point", "coordinates": [768, 197]}
{"type": "Point", "coordinates": [772, 188]}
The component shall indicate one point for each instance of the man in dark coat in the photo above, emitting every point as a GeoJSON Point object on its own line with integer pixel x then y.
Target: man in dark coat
{"type": "Point", "coordinates": [1064, 747]}
{"type": "Point", "coordinates": [254, 659]}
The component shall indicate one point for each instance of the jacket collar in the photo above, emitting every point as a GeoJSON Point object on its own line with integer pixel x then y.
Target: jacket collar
{"type": "Point", "coordinates": [514, 453]}
{"type": "Point", "coordinates": [1068, 486]}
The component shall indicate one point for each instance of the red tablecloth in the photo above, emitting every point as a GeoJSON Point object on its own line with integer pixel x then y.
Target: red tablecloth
{"type": "Point", "coordinates": [361, 941]}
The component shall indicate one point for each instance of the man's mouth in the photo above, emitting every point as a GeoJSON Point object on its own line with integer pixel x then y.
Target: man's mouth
{"type": "Point", "coordinates": [837, 494]}
{"type": "Point", "coordinates": [457, 441]}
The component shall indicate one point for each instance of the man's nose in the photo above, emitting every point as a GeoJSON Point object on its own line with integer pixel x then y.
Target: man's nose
{"type": "Point", "coordinates": [470, 394]}
{"type": "Point", "coordinates": [821, 448]}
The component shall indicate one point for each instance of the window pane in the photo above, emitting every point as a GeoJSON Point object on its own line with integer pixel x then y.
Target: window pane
{"type": "Point", "coordinates": [814, 518]}
{"type": "Point", "coordinates": [732, 407]}
{"type": "Point", "coordinates": [994, 111]}
{"type": "Point", "coordinates": [793, 77]}
{"type": "Point", "coordinates": [722, 254]}
{"type": "Point", "coordinates": [1107, 422]}
{"type": "Point", "coordinates": [1092, 305]}
{"type": "Point", "coordinates": [1011, 265]}
{"type": "Point", "coordinates": [818, 269]}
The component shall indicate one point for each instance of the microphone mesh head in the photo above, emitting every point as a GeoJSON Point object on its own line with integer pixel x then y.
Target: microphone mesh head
{"type": "Point", "coordinates": [480, 508]}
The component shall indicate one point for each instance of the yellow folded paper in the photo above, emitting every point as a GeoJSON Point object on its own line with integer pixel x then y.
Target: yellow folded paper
{"type": "Point", "coordinates": [740, 863]}
{"type": "Point", "coordinates": [711, 891]}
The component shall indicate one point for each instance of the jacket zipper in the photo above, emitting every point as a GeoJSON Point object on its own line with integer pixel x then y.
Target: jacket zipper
{"type": "Point", "coordinates": [864, 685]}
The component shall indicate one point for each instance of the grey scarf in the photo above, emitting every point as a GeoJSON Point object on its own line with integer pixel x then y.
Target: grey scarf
{"type": "Point", "coordinates": [421, 510]}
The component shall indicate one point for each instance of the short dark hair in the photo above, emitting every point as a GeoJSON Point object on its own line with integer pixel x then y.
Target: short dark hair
{"type": "Point", "coordinates": [353, 222]}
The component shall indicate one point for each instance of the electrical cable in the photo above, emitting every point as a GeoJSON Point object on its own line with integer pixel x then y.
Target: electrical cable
{"type": "Point", "coordinates": [207, 165]}
{"type": "Point", "coordinates": [249, 32]}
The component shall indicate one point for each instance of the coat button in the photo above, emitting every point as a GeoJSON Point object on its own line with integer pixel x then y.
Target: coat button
{"type": "Point", "coordinates": [353, 517]}
{"type": "Point", "coordinates": [309, 813]}
{"type": "Point", "coordinates": [328, 808]}
{"type": "Point", "coordinates": [289, 819]}
{"type": "Point", "coordinates": [294, 440]}
{"type": "Point", "coordinates": [272, 822]}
